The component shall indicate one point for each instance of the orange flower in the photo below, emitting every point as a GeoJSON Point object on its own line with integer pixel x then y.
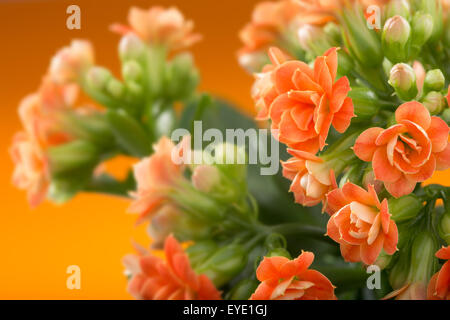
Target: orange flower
{"type": "Point", "coordinates": [305, 102]}
{"type": "Point", "coordinates": [439, 286]}
{"type": "Point", "coordinates": [70, 62]}
{"type": "Point", "coordinates": [31, 168]}
{"type": "Point", "coordinates": [284, 279]}
{"type": "Point", "coordinates": [173, 279]}
{"type": "Point", "coordinates": [360, 223]}
{"type": "Point", "coordinates": [155, 177]}
{"type": "Point", "coordinates": [160, 26]}
{"type": "Point", "coordinates": [311, 178]}
{"type": "Point", "coordinates": [39, 112]}
{"type": "Point", "coordinates": [269, 21]}
{"type": "Point", "coordinates": [408, 152]}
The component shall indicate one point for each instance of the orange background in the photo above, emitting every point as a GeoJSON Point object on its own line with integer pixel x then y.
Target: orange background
{"type": "Point", "coordinates": [91, 231]}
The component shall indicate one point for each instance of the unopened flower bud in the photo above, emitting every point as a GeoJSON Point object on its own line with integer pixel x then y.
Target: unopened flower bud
{"type": "Point", "coordinates": [399, 274]}
{"type": "Point", "coordinates": [279, 252]}
{"type": "Point", "coordinates": [434, 102]}
{"type": "Point", "coordinates": [405, 208]}
{"type": "Point", "coordinates": [332, 30]}
{"type": "Point", "coordinates": [398, 8]}
{"type": "Point", "coordinates": [201, 251]}
{"type": "Point", "coordinates": [434, 80]}
{"type": "Point", "coordinates": [403, 80]}
{"type": "Point", "coordinates": [224, 265]}
{"type": "Point", "coordinates": [162, 225]}
{"type": "Point", "coordinates": [444, 227]}
{"type": "Point", "coordinates": [132, 71]}
{"type": "Point", "coordinates": [434, 8]}
{"type": "Point", "coordinates": [115, 88]}
{"type": "Point", "coordinates": [422, 29]}
{"type": "Point", "coordinates": [98, 77]}
{"type": "Point", "coordinates": [396, 34]}
{"type": "Point", "coordinates": [205, 178]}
{"type": "Point", "coordinates": [446, 115]}
{"type": "Point", "coordinates": [131, 47]}
{"type": "Point", "coordinates": [253, 62]}
{"type": "Point", "coordinates": [369, 179]}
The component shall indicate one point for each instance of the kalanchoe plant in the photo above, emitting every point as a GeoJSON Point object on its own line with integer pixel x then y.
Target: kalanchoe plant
{"type": "Point", "coordinates": [361, 112]}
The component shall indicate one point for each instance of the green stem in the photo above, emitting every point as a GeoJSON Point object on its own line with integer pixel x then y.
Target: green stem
{"type": "Point", "coordinates": [106, 184]}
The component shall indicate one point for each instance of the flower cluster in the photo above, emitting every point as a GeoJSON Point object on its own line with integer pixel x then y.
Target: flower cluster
{"type": "Point", "coordinates": [362, 112]}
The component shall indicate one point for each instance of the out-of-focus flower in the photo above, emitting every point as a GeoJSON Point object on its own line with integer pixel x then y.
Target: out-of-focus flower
{"type": "Point", "coordinates": [408, 152]}
{"type": "Point", "coordinates": [420, 72]}
{"type": "Point", "coordinates": [311, 178]}
{"type": "Point", "coordinates": [269, 20]}
{"type": "Point", "coordinates": [284, 279]}
{"type": "Point", "coordinates": [308, 101]}
{"type": "Point", "coordinates": [69, 63]}
{"type": "Point", "coordinates": [40, 112]}
{"type": "Point", "coordinates": [173, 279]}
{"type": "Point", "coordinates": [155, 177]}
{"type": "Point", "coordinates": [31, 168]}
{"type": "Point", "coordinates": [160, 26]}
{"type": "Point", "coordinates": [360, 223]}
{"type": "Point", "coordinates": [439, 285]}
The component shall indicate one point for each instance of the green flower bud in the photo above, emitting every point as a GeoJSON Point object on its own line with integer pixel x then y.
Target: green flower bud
{"type": "Point", "coordinates": [182, 77]}
{"type": "Point", "coordinates": [313, 39]}
{"type": "Point", "coordinates": [224, 265]}
{"type": "Point", "coordinates": [434, 8]}
{"type": "Point", "coordinates": [115, 88]}
{"type": "Point", "coordinates": [444, 227]}
{"type": "Point", "coordinates": [446, 115]}
{"type": "Point", "coordinates": [434, 80]}
{"type": "Point", "coordinates": [423, 261]}
{"type": "Point", "coordinates": [398, 8]}
{"type": "Point", "coordinates": [422, 29]}
{"type": "Point", "coordinates": [243, 290]}
{"type": "Point", "coordinates": [201, 251]}
{"type": "Point", "coordinates": [399, 274]}
{"type": "Point", "coordinates": [131, 47]}
{"type": "Point", "coordinates": [279, 252]}
{"type": "Point", "coordinates": [395, 39]}
{"type": "Point", "coordinates": [97, 78]}
{"type": "Point", "coordinates": [403, 80]}
{"type": "Point", "coordinates": [405, 208]}
{"type": "Point", "coordinates": [132, 71]}
{"type": "Point", "coordinates": [365, 102]}
{"type": "Point", "coordinates": [333, 31]}
{"type": "Point", "coordinates": [434, 102]}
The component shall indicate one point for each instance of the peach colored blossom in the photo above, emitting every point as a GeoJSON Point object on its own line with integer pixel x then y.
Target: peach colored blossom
{"type": "Point", "coordinates": [31, 171]}
{"type": "Point", "coordinates": [160, 26]}
{"type": "Point", "coordinates": [40, 112]}
{"type": "Point", "coordinates": [439, 285]}
{"type": "Point", "coordinates": [305, 102]}
{"type": "Point", "coordinates": [284, 279]}
{"type": "Point", "coordinates": [155, 177]}
{"type": "Point", "coordinates": [269, 20]}
{"type": "Point", "coordinates": [173, 279]}
{"type": "Point", "coordinates": [70, 62]}
{"type": "Point", "coordinates": [360, 223]}
{"type": "Point", "coordinates": [162, 225]}
{"type": "Point", "coordinates": [408, 152]}
{"type": "Point", "coordinates": [311, 178]}
{"type": "Point", "coordinates": [420, 72]}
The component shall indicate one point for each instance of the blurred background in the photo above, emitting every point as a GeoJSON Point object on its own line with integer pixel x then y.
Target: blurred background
{"type": "Point", "coordinates": [91, 231]}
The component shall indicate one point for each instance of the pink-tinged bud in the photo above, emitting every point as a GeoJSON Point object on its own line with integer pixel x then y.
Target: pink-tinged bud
{"type": "Point", "coordinates": [70, 62]}
{"type": "Point", "coordinates": [205, 178]}
{"type": "Point", "coordinates": [253, 62]}
{"type": "Point", "coordinates": [308, 35]}
{"type": "Point", "coordinates": [131, 47]}
{"type": "Point", "coordinates": [396, 34]}
{"type": "Point", "coordinates": [434, 102]}
{"type": "Point", "coordinates": [420, 72]}
{"type": "Point", "coordinates": [369, 179]}
{"type": "Point", "coordinates": [403, 80]}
